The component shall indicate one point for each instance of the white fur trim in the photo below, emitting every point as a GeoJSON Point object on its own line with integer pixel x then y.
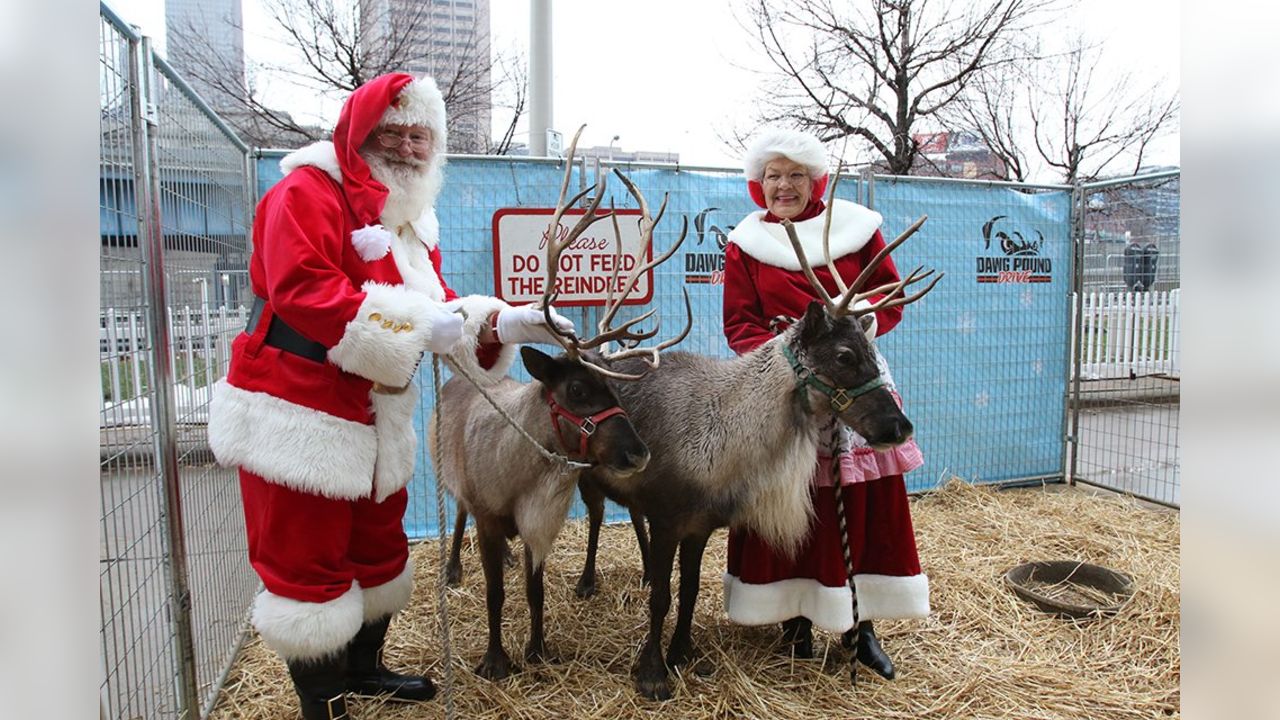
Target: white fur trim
{"type": "Point", "coordinates": [830, 608]}
{"type": "Point", "coordinates": [892, 597]}
{"type": "Point", "coordinates": [317, 154]}
{"type": "Point", "coordinates": [299, 630]}
{"type": "Point", "coordinates": [372, 242]}
{"type": "Point", "coordinates": [373, 348]}
{"type": "Point", "coordinates": [852, 226]}
{"type": "Point", "coordinates": [800, 147]}
{"type": "Point", "coordinates": [477, 309]}
{"type": "Point", "coordinates": [397, 440]}
{"type": "Point", "coordinates": [390, 597]}
{"type": "Point", "coordinates": [427, 228]}
{"type": "Point", "coordinates": [413, 260]}
{"type": "Point", "coordinates": [291, 445]}
{"type": "Point", "coordinates": [421, 103]}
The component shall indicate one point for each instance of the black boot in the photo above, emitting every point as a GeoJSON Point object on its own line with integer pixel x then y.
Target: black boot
{"type": "Point", "coordinates": [870, 653]}
{"type": "Point", "coordinates": [797, 637]}
{"type": "Point", "coordinates": [366, 675]}
{"type": "Point", "coordinates": [320, 686]}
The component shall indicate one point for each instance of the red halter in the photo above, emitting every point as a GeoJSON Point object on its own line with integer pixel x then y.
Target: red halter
{"type": "Point", "coordinates": [586, 425]}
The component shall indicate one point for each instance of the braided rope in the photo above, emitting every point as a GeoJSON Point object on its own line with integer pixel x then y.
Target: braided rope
{"type": "Point", "coordinates": [442, 599]}
{"type": "Point", "coordinates": [553, 457]}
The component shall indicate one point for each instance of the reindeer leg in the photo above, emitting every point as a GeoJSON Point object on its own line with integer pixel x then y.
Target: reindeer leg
{"type": "Point", "coordinates": [680, 651]}
{"type": "Point", "coordinates": [453, 571]}
{"type": "Point", "coordinates": [536, 650]}
{"type": "Point", "coordinates": [594, 499]}
{"type": "Point", "coordinates": [495, 664]}
{"type": "Point", "coordinates": [650, 673]}
{"type": "Point", "coordinates": [642, 540]}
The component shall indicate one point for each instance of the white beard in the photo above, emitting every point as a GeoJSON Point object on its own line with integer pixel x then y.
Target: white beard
{"type": "Point", "coordinates": [411, 188]}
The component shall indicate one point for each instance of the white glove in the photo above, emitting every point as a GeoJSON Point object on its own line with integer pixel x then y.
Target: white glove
{"type": "Point", "coordinates": [446, 330]}
{"type": "Point", "coordinates": [527, 324]}
{"type": "Point", "coordinates": [870, 330]}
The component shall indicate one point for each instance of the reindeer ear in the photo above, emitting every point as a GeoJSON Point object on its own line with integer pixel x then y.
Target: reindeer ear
{"type": "Point", "coordinates": [541, 366]}
{"type": "Point", "coordinates": [815, 321]}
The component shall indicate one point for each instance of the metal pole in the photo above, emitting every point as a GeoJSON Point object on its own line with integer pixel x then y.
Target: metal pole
{"type": "Point", "coordinates": [1071, 438]}
{"type": "Point", "coordinates": [146, 181]}
{"type": "Point", "coordinates": [540, 116]}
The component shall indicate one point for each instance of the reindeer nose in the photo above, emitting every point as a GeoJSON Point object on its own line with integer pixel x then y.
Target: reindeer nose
{"type": "Point", "coordinates": [902, 430]}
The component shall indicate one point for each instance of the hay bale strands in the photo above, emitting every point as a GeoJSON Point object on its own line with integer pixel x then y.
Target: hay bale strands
{"type": "Point", "coordinates": [984, 653]}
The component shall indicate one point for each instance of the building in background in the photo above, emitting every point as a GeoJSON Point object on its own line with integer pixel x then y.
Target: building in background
{"type": "Point", "coordinates": [450, 39]}
{"type": "Point", "coordinates": [956, 154]}
{"type": "Point", "coordinates": [200, 32]}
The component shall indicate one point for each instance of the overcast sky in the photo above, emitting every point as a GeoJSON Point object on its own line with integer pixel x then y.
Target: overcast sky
{"type": "Point", "coordinates": [665, 75]}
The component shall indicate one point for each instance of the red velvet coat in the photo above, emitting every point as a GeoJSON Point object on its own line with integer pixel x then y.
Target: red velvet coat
{"type": "Point", "coordinates": [763, 280]}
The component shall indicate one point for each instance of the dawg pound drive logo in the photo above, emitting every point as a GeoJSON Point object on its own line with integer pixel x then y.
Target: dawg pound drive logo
{"type": "Point", "coordinates": [1020, 261]}
{"type": "Point", "coordinates": [701, 267]}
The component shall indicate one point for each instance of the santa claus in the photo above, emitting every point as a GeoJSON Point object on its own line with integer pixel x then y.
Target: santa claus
{"type": "Point", "coordinates": [763, 282]}
{"type": "Point", "coordinates": [314, 410]}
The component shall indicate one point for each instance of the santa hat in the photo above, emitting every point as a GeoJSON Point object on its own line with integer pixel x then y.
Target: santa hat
{"type": "Point", "coordinates": [799, 147]}
{"type": "Point", "coordinates": [394, 98]}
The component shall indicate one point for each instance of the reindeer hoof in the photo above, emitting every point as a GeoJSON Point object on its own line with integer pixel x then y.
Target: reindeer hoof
{"type": "Point", "coordinates": [496, 666]}
{"type": "Point", "coordinates": [653, 682]}
{"type": "Point", "coordinates": [654, 689]}
{"type": "Point", "coordinates": [453, 575]}
{"type": "Point", "coordinates": [586, 588]}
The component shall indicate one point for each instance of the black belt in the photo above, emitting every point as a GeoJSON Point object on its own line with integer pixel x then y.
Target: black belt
{"type": "Point", "coordinates": [280, 335]}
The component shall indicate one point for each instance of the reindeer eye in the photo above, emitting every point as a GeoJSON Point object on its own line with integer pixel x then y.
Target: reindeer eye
{"type": "Point", "coordinates": [577, 391]}
{"type": "Point", "coordinates": [845, 357]}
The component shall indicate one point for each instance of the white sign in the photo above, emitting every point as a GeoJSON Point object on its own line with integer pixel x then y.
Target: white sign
{"type": "Point", "coordinates": [586, 266]}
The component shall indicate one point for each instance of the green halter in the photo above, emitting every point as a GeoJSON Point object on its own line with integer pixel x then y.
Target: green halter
{"type": "Point", "coordinates": [840, 398]}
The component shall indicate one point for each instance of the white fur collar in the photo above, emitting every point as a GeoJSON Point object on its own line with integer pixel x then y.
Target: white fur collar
{"type": "Point", "coordinates": [318, 154]}
{"type": "Point", "coordinates": [427, 228]}
{"type": "Point", "coordinates": [851, 227]}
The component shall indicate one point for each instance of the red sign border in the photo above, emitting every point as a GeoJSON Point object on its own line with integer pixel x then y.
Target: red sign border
{"type": "Point", "coordinates": [497, 256]}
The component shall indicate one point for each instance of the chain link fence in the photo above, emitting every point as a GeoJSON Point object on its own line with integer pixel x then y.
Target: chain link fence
{"type": "Point", "coordinates": [175, 202]}
{"type": "Point", "coordinates": [1126, 341]}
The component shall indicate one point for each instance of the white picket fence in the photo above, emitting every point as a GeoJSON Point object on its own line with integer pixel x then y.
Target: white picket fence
{"type": "Point", "coordinates": [1129, 334]}
{"type": "Point", "coordinates": [199, 353]}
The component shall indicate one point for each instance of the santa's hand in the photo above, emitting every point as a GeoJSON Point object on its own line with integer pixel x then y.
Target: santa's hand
{"type": "Point", "coordinates": [528, 324]}
{"type": "Point", "coordinates": [446, 330]}
{"type": "Point", "coordinates": [868, 325]}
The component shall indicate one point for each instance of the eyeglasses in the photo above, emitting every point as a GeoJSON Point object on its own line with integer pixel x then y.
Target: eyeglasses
{"type": "Point", "coordinates": [392, 139]}
{"type": "Point", "coordinates": [796, 178]}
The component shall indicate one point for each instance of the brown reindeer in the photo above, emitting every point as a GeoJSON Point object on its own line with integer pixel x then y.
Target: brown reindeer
{"type": "Point", "coordinates": [732, 442]}
{"type": "Point", "coordinates": [507, 484]}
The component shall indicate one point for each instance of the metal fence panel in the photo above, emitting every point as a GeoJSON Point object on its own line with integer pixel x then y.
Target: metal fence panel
{"type": "Point", "coordinates": [173, 605]}
{"type": "Point", "coordinates": [1126, 400]}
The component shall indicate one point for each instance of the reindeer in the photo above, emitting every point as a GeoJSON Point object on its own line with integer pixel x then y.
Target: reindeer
{"type": "Point", "coordinates": [505, 483]}
{"type": "Point", "coordinates": [733, 442]}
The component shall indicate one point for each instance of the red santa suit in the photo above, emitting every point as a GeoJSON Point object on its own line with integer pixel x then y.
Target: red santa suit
{"type": "Point", "coordinates": [323, 459]}
{"type": "Point", "coordinates": [763, 280]}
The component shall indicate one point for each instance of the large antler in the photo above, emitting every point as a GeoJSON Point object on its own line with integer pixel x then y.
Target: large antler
{"type": "Point", "coordinates": [624, 333]}
{"type": "Point", "coordinates": [894, 293]}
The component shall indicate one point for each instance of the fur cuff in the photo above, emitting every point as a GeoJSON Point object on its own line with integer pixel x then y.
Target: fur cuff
{"type": "Point", "coordinates": [891, 597]}
{"type": "Point", "coordinates": [384, 342]}
{"type": "Point", "coordinates": [477, 309]}
{"type": "Point", "coordinates": [299, 630]}
{"type": "Point", "coordinates": [852, 226]}
{"type": "Point", "coordinates": [391, 596]}
{"type": "Point", "coordinates": [291, 445]}
{"type": "Point", "coordinates": [830, 608]}
{"type": "Point", "coordinates": [397, 440]}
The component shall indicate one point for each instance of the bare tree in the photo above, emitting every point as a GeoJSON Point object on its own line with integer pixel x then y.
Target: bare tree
{"type": "Point", "coordinates": [1084, 125]}
{"type": "Point", "coordinates": [880, 70]}
{"type": "Point", "coordinates": [333, 47]}
{"type": "Point", "coordinates": [992, 107]}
